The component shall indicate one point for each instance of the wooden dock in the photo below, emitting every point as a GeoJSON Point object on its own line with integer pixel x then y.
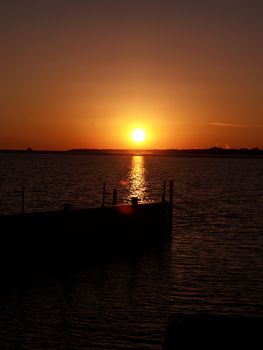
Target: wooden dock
{"type": "Point", "coordinates": [73, 236]}
{"type": "Point", "coordinates": [122, 222]}
{"type": "Point", "coordinates": [70, 233]}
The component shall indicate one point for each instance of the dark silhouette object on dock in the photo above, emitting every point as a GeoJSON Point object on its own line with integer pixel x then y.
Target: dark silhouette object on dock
{"type": "Point", "coordinates": [206, 331]}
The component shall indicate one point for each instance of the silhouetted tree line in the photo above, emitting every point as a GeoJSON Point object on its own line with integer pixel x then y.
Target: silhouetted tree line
{"type": "Point", "coordinates": [213, 151]}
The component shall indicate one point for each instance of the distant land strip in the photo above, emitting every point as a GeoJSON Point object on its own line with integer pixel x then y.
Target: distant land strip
{"type": "Point", "coordinates": [207, 152]}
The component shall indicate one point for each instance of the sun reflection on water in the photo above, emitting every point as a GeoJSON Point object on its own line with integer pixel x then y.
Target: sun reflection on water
{"type": "Point", "coordinates": [137, 185]}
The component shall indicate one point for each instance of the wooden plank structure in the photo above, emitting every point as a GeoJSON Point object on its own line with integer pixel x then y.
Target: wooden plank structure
{"type": "Point", "coordinates": [122, 222]}
{"type": "Point", "coordinates": [78, 231]}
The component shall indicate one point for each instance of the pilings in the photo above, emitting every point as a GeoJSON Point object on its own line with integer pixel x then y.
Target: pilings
{"type": "Point", "coordinates": [23, 200]}
{"type": "Point", "coordinates": [171, 200]}
{"type": "Point", "coordinates": [134, 200]}
{"type": "Point", "coordinates": [171, 193]}
{"type": "Point", "coordinates": [164, 191]}
{"type": "Point", "coordinates": [114, 197]}
{"type": "Point", "coordinates": [104, 194]}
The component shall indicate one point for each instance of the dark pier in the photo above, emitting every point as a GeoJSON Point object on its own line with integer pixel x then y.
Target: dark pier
{"type": "Point", "coordinates": [71, 233]}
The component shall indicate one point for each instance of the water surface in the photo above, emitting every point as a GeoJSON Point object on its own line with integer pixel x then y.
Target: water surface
{"type": "Point", "coordinates": [214, 262]}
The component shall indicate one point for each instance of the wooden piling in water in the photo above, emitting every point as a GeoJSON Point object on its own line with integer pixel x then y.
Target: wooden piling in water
{"type": "Point", "coordinates": [23, 200]}
{"type": "Point", "coordinates": [114, 197]}
{"type": "Point", "coordinates": [171, 201]}
{"type": "Point", "coordinates": [164, 191]}
{"type": "Point", "coordinates": [171, 193]}
{"type": "Point", "coordinates": [104, 194]}
{"type": "Point", "coordinates": [134, 201]}
{"type": "Point", "coordinates": [67, 208]}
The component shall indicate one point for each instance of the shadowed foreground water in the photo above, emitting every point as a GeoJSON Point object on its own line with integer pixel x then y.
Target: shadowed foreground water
{"type": "Point", "coordinates": [214, 263]}
{"type": "Point", "coordinates": [111, 302]}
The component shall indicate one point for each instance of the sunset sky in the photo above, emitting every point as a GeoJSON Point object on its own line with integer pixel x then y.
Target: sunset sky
{"type": "Point", "coordinates": [85, 73]}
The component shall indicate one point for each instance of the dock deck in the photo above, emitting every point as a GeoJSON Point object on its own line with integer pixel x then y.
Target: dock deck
{"type": "Point", "coordinates": [73, 232]}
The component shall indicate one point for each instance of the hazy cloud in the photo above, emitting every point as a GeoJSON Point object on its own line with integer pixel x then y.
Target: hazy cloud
{"type": "Point", "coordinates": [233, 125]}
{"type": "Point", "coordinates": [230, 125]}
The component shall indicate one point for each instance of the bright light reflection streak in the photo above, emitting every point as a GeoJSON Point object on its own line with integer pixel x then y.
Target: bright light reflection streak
{"type": "Point", "coordinates": [136, 179]}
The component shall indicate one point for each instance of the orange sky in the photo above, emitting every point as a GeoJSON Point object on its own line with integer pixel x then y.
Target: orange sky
{"type": "Point", "coordinates": [83, 74]}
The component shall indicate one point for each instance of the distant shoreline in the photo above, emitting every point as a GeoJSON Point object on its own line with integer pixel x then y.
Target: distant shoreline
{"type": "Point", "coordinates": [210, 152]}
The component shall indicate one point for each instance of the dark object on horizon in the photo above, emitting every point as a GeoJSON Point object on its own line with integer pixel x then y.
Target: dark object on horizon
{"type": "Point", "coordinates": [214, 332]}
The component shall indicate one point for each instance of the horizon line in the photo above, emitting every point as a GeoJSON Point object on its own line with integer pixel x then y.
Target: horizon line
{"type": "Point", "coordinates": [213, 148]}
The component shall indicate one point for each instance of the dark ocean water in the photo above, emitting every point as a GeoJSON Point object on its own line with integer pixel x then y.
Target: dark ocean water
{"type": "Point", "coordinates": [214, 263]}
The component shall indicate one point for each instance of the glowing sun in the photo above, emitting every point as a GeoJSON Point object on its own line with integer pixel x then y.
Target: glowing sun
{"type": "Point", "coordinates": [138, 135]}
